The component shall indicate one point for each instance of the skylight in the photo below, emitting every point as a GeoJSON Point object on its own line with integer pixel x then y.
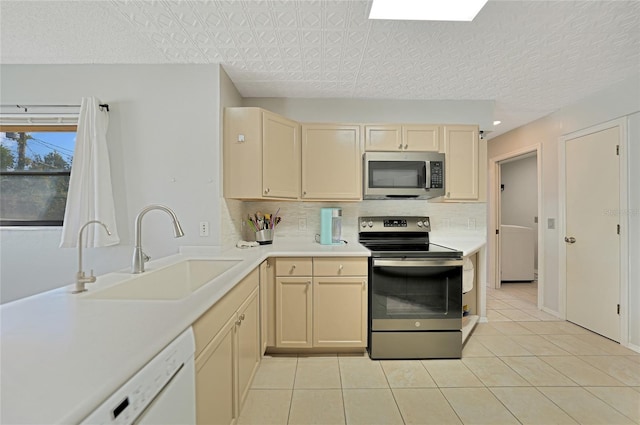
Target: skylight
{"type": "Point", "coordinates": [426, 10]}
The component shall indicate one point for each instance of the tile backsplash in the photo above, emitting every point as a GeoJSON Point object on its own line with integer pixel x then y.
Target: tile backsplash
{"type": "Point", "coordinates": [302, 219]}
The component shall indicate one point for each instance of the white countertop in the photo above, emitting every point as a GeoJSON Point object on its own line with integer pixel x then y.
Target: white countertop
{"type": "Point", "coordinates": [62, 354]}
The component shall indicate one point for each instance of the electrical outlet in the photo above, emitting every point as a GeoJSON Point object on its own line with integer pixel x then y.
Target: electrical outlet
{"type": "Point", "coordinates": [204, 228]}
{"type": "Point", "coordinates": [551, 223]}
{"type": "Point", "coordinates": [302, 223]}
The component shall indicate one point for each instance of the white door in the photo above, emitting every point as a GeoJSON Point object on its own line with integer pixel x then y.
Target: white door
{"type": "Point", "coordinates": [592, 240]}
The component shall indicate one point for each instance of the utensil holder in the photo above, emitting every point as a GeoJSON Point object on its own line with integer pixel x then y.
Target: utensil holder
{"type": "Point", "coordinates": [264, 237]}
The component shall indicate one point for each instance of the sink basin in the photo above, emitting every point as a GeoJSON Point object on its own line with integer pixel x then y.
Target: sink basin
{"type": "Point", "coordinates": [168, 283]}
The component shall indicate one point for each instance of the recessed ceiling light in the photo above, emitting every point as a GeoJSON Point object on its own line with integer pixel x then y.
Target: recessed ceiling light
{"type": "Point", "coordinates": [497, 122]}
{"type": "Point", "coordinates": [426, 10]}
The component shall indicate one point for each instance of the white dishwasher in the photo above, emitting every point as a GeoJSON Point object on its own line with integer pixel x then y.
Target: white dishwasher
{"type": "Point", "coordinates": [162, 392]}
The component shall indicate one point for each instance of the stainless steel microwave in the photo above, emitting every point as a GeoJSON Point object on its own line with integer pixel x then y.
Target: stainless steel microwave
{"type": "Point", "coordinates": [408, 175]}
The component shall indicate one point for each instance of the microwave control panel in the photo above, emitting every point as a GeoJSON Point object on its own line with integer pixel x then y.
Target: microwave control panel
{"type": "Point", "coordinates": [437, 175]}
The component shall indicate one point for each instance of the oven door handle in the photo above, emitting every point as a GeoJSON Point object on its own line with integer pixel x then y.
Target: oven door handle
{"type": "Point", "coordinates": [377, 262]}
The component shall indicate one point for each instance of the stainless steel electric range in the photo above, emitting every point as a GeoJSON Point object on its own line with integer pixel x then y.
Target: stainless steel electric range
{"type": "Point", "coordinates": [415, 290]}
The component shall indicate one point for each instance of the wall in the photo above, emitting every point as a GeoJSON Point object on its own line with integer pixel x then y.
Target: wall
{"type": "Point", "coordinates": [519, 200]}
{"type": "Point", "coordinates": [444, 217]}
{"type": "Point", "coordinates": [620, 100]}
{"type": "Point", "coordinates": [633, 215]}
{"type": "Point", "coordinates": [381, 110]}
{"type": "Point", "coordinates": [231, 209]}
{"type": "Point", "coordinates": [163, 139]}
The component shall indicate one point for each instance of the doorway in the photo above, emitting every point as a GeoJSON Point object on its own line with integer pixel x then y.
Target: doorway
{"type": "Point", "coordinates": [515, 181]}
{"type": "Point", "coordinates": [516, 291]}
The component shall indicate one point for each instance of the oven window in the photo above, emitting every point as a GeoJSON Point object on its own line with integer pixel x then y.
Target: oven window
{"type": "Point", "coordinates": [397, 174]}
{"type": "Point", "coordinates": [399, 292]}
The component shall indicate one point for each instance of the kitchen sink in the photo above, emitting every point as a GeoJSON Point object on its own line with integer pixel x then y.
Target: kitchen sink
{"type": "Point", "coordinates": [168, 283]}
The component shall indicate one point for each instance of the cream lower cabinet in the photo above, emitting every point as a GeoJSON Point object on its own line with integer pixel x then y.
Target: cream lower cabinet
{"type": "Point", "coordinates": [339, 311]}
{"type": "Point", "coordinates": [465, 166]}
{"type": "Point", "coordinates": [331, 162]}
{"type": "Point", "coordinates": [227, 361]}
{"type": "Point", "coordinates": [321, 302]}
{"type": "Point", "coordinates": [267, 304]}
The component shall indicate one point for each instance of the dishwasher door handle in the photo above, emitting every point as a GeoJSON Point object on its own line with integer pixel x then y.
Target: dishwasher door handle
{"type": "Point", "coordinates": [435, 262]}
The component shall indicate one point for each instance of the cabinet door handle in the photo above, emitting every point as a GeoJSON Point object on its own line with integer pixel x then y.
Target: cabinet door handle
{"type": "Point", "coordinates": [406, 147]}
{"type": "Point", "coordinates": [266, 191]}
{"type": "Point", "coordinates": [308, 282]}
{"type": "Point", "coordinates": [293, 268]}
{"type": "Point", "coordinates": [238, 322]}
{"type": "Point", "coordinates": [400, 146]}
{"type": "Point", "coordinates": [340, 268]}
{"type": "Point", "coordinates": [242, 317]}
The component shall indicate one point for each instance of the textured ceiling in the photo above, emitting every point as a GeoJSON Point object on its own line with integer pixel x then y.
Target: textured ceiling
{"type": "Point", "coordinates": [530, 57]}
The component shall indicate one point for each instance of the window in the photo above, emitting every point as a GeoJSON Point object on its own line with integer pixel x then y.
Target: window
{"type": "Point", "coordinates": [35, 167]}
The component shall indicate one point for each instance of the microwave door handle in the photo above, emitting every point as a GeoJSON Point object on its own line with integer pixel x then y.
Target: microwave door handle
{"type": "Point", "coordinates": [427, 175]}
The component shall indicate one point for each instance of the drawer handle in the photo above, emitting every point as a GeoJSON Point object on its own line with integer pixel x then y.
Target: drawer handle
{"type": "Point", "coordinates": [293, 268]}
{"type": "Point", "coordinates": [340, 268]}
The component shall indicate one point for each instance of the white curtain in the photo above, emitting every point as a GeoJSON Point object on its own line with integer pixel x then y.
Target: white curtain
{"type": "Point", "coordinates": [90, 194]}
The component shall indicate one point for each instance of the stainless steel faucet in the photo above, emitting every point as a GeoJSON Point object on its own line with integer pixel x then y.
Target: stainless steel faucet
{"type": "Point", "coordinates": [81, 278]}
{"type": "Point", "coordinates": [139, 257]}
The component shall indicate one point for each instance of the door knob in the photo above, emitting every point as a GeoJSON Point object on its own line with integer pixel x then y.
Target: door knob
{"type": "Point", "coordinates": [570, 239]}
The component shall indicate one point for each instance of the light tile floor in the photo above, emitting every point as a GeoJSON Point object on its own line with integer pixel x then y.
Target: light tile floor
{"type": "Point", "coordinates": [523, 367]}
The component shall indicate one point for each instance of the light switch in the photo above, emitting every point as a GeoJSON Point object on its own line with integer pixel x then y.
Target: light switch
{"type": "Point", "coordinates": [551, 223]}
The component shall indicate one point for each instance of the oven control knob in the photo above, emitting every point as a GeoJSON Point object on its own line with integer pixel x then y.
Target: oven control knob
{"type": "Point", "coordinates": [417, 324]}
{"type": "Point", "coordinates": [363, 224]}
{"type": "Point", "coordinates": [370, 224]}
{"type": "Point", "coordinates": [419, 223]}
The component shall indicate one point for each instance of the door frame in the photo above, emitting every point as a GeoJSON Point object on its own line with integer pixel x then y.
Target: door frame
{"type": "Point", "coordinates": [623, 141]}
{"type": "Point", "coordinates": [494, 215]}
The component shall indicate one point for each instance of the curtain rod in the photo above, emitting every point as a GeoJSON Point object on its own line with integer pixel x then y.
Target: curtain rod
{"type": "Point", "coordinates": [26, 107]}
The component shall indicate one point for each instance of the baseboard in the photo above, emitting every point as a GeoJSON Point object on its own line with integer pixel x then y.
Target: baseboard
{"type": "Point", "coordinates": [634, 347]}
{"type": "Point", "coordinates": [552, 312]}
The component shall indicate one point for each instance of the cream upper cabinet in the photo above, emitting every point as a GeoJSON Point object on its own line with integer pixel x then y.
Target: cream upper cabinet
{"type": "Point", "coordinates": [331, 162]}
{"type": "Point", "coordinates": [386, 137]}
{"type": "Point", "coordinates": [407, 137]}
{"type": "Point", "coordinates": [462, 150]}
{"type": "Point", "coordinates": [421, 137]}
{"type": "Point", "coordinates": [261, 153]}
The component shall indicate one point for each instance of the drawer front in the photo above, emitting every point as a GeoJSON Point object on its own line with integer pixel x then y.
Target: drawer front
{"type": "Point", "coordinates": [340, 266]}
{"type": "Point", "coordinates": [294, 266]}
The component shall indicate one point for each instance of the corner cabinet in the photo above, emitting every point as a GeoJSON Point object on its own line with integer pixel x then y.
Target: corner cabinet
{"type": "Point", "coordinates": [227, 353]}
{"type": "Point", "coordinates": [406, 137]}
{"type": "Point", "coordinates": [331, 162]}
{"type": "Point", "coordinates": [466, 156]}
{"type": "Point", "coordinates": [321, 302]}
{"type": "Point", "coordinates": [261, 152]}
